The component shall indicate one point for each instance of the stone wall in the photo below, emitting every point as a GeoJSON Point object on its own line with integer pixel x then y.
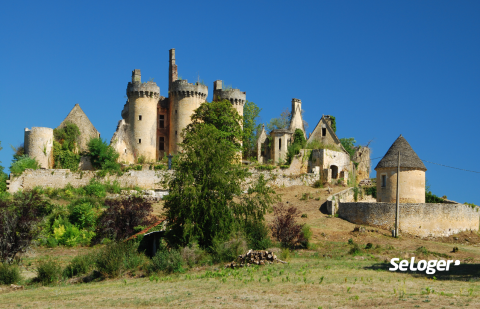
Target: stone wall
{"type": "Point", "coordinates": [346, 196]}
{"type": "Point", "coordinates": [418, 219]}
{"type": "Point", "coordinates": [411, 189]}
{"type": "Point", "coordinates": [145, 179]}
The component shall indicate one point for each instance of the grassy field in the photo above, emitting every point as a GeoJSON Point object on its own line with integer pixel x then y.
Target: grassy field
{"type": "Point", "coordinates": [325, 276]}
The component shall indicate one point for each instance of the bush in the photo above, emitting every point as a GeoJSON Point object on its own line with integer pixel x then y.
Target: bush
{"type": "Point", "coordinates": [95, 188]}
{"type": "Point", "coordinates": [121, 217]}
{"type": "Point", "coordinates": [80, 265]}
{"type": "Point", "coordinates": [166, 261]}
{"type": "Point", "coordinates": [285, 254]}
{"type": "Point", "coordinates": [9, 273]}
{"type": "Point", "coordinates": [82, 214]}
{"type": "Point", "coordinates": [193, 255]}
{"type": "Point", "coordinates": [306, 235]}
{"type": "Point", "coordinates": [23, 163]}
{"type": "Point", "coordinates": [116, 258]}
{"type": "Point", "coordinates": [371, 191]}
{"type": "Point", "coordinates": [284, 227]}
{"type": "Point", "coordinates": [113, 187]}
{"type": "Point", "coordinates": [318, 184]}
{"type": "Point", "coordinates": [355, 250]}
{"type": "Point", "coordinates": [227, 251]}
{"type": "Point", "coordinates": [48, 272]}
{"type": "Point", "coordinates": [102, 155]}
{"type": "Point", "coordinates": [257, 235]}
{"type": "Point", "coordinates": [70, 235]}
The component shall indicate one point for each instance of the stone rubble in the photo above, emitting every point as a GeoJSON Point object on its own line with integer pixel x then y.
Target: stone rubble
{"type": "Point", "coordinates": [253, 257]}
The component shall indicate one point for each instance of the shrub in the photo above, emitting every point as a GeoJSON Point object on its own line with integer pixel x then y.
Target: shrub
{"type": "Point", "coordinates": [160, 167]}
{"type": "Point", "coordinates": [81, 264]}
{"type": "Point", "coordinates": [257, 235]}
{"type": "Point", "coordinates": [285, 254]}
{"type": "Point", "coordinates": [306, 235]}
{"type": "Point", "coordinates": [19, 220]}
{"type": "Point", "coordinates": [141, 159]}
{"type": "Point", "coordinates": [318, 184]}
{"type": "Point", "coordinates": [225, 251]}
{"type": "Point", "coordinates": [371, 191]}
{"type": "Point", "coordinates": [121, 217]}
{"type": "Point", "coordinates": [166, 261]}
{"type": "Point", "coordinates": [113, 187]}
{"type": "Point", "coordinates": [95, 188]}
{"type": "Point", "coordinates": [82, 214]}
{"type": "Point", "coordinates": [23, 163]}
{"type": "Point", "coordinates": [115, 258]}
{"type": "Point", "coordinates": [102, 155]}
{"type": "Point", "coordinates": [355, 250]}
{"type": "Point", "coordinates": [48, 272]}
{"type": "Point", "coordinates": [9, 273]}
{"type": "Point", "coordinates": [70, 235]}
{"type": "Point", "coordinates": [284, 226]}
{"type": "Point", "coordinates": [193, 255]}
{"type": "Point", "coordinates": [369, 246]}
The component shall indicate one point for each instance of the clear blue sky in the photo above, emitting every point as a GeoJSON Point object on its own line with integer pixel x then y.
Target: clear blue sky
{"type": "Point", "coordinates": [382, 68]}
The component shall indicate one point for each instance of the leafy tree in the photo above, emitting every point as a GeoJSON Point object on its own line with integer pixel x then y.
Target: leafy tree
{"type": "Point", "coordinates": [284, 226]}
{"type": "Point", "coordinates": [281, 122]}
{"type": "Point", "coordinates": [19, 220]}
{"type": "Point", "coordinates": [3, 176]}
{"type": "Point", "coordinates": [103, 156]}
{"type": "Point", "coordinates": [65, 146]}
{"type": "Point", "coordinates": [205, 201]}
{"type": "Point", "coordinates": [67, 136]}
{"type": "Point", "coordinates": [299, 143]}
{"type": "Point", "coordinates": [251, 113]}
{"type": "Point", "coordinates": [349, 145]}
{"type": "Point", "coordinates": [22, 163]}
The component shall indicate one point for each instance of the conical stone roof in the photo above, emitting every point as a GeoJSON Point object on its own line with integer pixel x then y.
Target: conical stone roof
{"type": "Point", "coordinates": [408, 157]}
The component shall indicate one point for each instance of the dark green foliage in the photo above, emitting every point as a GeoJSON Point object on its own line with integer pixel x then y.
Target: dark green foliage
{"type": "Point", "coordinates": [80, 265]}
{"type": "Point", "coordinates": [95, 188]}
{"type": "Point", "coordinates": [371, 191]}
{"type": "Point", "coordinates": [334, 123]}
{"type": "Point", "coordinates": [355, 250]}
{"type": "Point", "coordinates": [194, 255]}
{"type": "Point", "coordinates": [82, 214]}
{"type": "Point", "coordinates": [65, 147]}
{"type": "Point", "coordinates": [265, 167]}
{"type": "Point", "coordinates": [102, 155]}
{"type": "Point", "coordinates": [349, 145]}
{"type": "Point", "coordinates": [168, 261]}
{"type": "Point", "coordinates": [22, 163]}
{"type": "Point", "coordinates": [251, 113]}
{"type": "Point", "coordinates": [48, 272]}
{"type": "Point", "coordinates": [299, 143]}
{"type": "Point", "coordinates": [3, 177]}
{"type": "Point", "coordinates": [67, 135]}
{"type": "Point", "coordinates": [200, 205]}
{"type": "Point", "coordinates": [121, 217]}
{"type": "Point", "coordinates": [368, 246]}
{"type": "Point", "coordinates": [306, 235]}
{"type": "Point", "coordinates": [257, 235]}
{"type": "Point", "coordinates": [9, 273]}
{"type": "Point", "coordinates": [432, 198]}
{"type": "Point", "coordinates": [116, 258]}
{"type": "Point", "coordinates": [318, 184]}
{"type": "Point", "coordinates": [19, 220]}
{"type": "Point", "coordinates": [227, 251]}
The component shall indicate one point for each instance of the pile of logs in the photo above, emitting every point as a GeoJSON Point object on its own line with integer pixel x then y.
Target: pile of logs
{"type": "Point", "coordinates": [252, 257]}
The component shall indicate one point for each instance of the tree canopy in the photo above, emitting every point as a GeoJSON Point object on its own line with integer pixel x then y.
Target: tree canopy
{"type": "Point", "coordinates": [251, 113]}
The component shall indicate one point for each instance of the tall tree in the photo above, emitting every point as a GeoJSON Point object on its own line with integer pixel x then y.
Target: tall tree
{"type": "Point", "coordinates": [281, 122]}
{"type": "Point", "coordinates": [205, 200]}
{"type": "Point", "coordinates": [251, 113]}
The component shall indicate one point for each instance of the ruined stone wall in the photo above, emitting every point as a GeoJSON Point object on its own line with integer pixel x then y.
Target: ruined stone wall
{"type": "Point", "coordinates": [362, 157]}
{"type": "Point", "coordinates": [328, 161]}
{"type": "Point", "coordinates": [39, 143]}
{"type": "Point", "coordinates": [280, 141]}
{"type": "Point", "coordinates": [420, 219]}
{"type": "Point", "coordinates": [145, 179]}
{"type": "Point", "coordinates": [346, 196]}
{"type": "Point", "coordinates": [412, 185]}
{"type": "Point", "coordinates": [121, 142]}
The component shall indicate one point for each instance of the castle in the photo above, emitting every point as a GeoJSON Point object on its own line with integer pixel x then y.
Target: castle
{"type": "Point", "coordinates": [151, 124]}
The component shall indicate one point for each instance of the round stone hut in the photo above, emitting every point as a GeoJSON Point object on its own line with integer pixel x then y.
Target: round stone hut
{"type": "Point", "coordinates": [412, 175]}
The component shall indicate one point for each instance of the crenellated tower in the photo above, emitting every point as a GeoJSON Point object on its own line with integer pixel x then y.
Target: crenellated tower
{"type": "Point", "coordinates": [185, 98]}
{"type": "Point", "coordinates": [142, 117]}
{"type": "Point", "coordinates": [235, 96]}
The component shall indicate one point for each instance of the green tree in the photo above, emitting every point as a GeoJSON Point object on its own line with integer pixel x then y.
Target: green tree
{"type": "Point", "coordinates": [102, 155]}
{"type": "Point", "coordinates": [251, 113]}
{"type": "Point", "coordinates": [205, 200]}
{"type": "Point", "coordinates": [281, 122]}
{"type": "Point", "coordinates": [3, 176]}
{"type": "Point", "coordinates": [349, 145]}
{"type": "Point", "coordinates": [65, 146]}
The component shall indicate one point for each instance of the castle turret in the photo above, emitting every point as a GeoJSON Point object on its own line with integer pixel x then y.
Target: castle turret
{"type": "Point", "coordinates": [185, 98]}
{"type": "Point", "coordinates": [142, 116]}
{"type": "Point", "coordinates": [296, 121]}
{"type": "Point", "coordinates": [235, 96]}
{"type": "Point", "coordinates": [38, 144]}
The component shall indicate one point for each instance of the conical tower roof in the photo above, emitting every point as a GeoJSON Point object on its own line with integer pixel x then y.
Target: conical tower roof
{"type": "Point", "coordinates": [408, 157]}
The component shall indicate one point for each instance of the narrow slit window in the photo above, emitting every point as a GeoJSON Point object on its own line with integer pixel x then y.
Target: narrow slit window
{"type": "Point", "coordinates": [175, 111]}
{"type": "Point", "coordinates": [139, 140]}
{"type": "Point", "coordinates": [384, 181]}
{"type": "Point", "coordinates": [139, 117]}
{"type": "Point", "coordinates": [175, 133]}
{"type": "Point", "coordinates": [161, 143]}
{"type": "Point", "coordinates": [324, 131]}
{"type": "Point", "coordinates": [279, 144]}
{"type": "Point", "coordinates": [161, 121]}
{"type": "Point", "coordinates": [125, 150]}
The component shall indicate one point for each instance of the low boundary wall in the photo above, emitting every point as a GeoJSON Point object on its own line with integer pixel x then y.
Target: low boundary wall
{"type": "Point", "coordinates": [422, 219]}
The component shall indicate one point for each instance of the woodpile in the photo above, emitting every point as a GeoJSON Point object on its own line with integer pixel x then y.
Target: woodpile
{"type": "Point", "coordinates": [252, 257]}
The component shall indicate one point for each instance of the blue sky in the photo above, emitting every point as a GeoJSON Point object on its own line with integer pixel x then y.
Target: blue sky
{"type": "Point", "coordinates": [382, 68]}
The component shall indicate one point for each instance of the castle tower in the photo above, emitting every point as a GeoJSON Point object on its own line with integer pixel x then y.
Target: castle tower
{"type": "Point", "coordinates": [142, 116]}
{"type": "Point", "coordinates": [185, 98]}
{"type": "Point", "coordinates": [235, 96]}
{"type": "Point", "coordinates": [296, 121]}
{"type": "Point", "coordinates": [412, 175]}
{"type": "Point", "coordinates": [38, 144]}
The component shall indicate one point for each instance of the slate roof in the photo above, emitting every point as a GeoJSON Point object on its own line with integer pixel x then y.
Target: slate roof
{"type": "Point", "coordinates": [408, 157]}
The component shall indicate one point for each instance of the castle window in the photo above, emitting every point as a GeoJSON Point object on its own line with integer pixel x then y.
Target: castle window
{"type": "Point", "coordinates": [161, 121]}
{"type": "Point", "coordinates": [324, 131]}
{"type": "Point", "coordinates": [279, 144]}
{"type": "Point", "coordinates": [161, 143]}
{"type": "Point", "coordinates": [175, 111]}
{"type": "Point", "coordinates": [139, 140]}
{"type": "Point", "coordinates": [139, 117]}
{"type": "Point", "coordinates": [384, 181]}
{"type": "Point", "coordinates": [175, 133]}
{"type": "Point", "coordinates": [125, 150]}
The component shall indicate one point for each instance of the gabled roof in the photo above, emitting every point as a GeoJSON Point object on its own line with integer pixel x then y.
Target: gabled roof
{"type": "Point", "coordinates": [408, 157]}
{"type": "Point", "coordinates": [87, 130]}
{"type": "Point", "coordinates": [329, 129]}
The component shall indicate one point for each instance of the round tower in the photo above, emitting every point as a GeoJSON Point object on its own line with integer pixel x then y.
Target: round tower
{"type": "Point", "coordinates": [142, 116]}
{"type": "Point", "coordinates": [185, 98]}
{"type": "Point", "coordinates": [235, 96]}
{"type": "Point", "coordinates": [38, 144]}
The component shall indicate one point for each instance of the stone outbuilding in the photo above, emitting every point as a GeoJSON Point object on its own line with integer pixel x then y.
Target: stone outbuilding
{"type": "Point", "coordinates": [85, 126]}
{"type": "Point", "coordinates": [412, 175]}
